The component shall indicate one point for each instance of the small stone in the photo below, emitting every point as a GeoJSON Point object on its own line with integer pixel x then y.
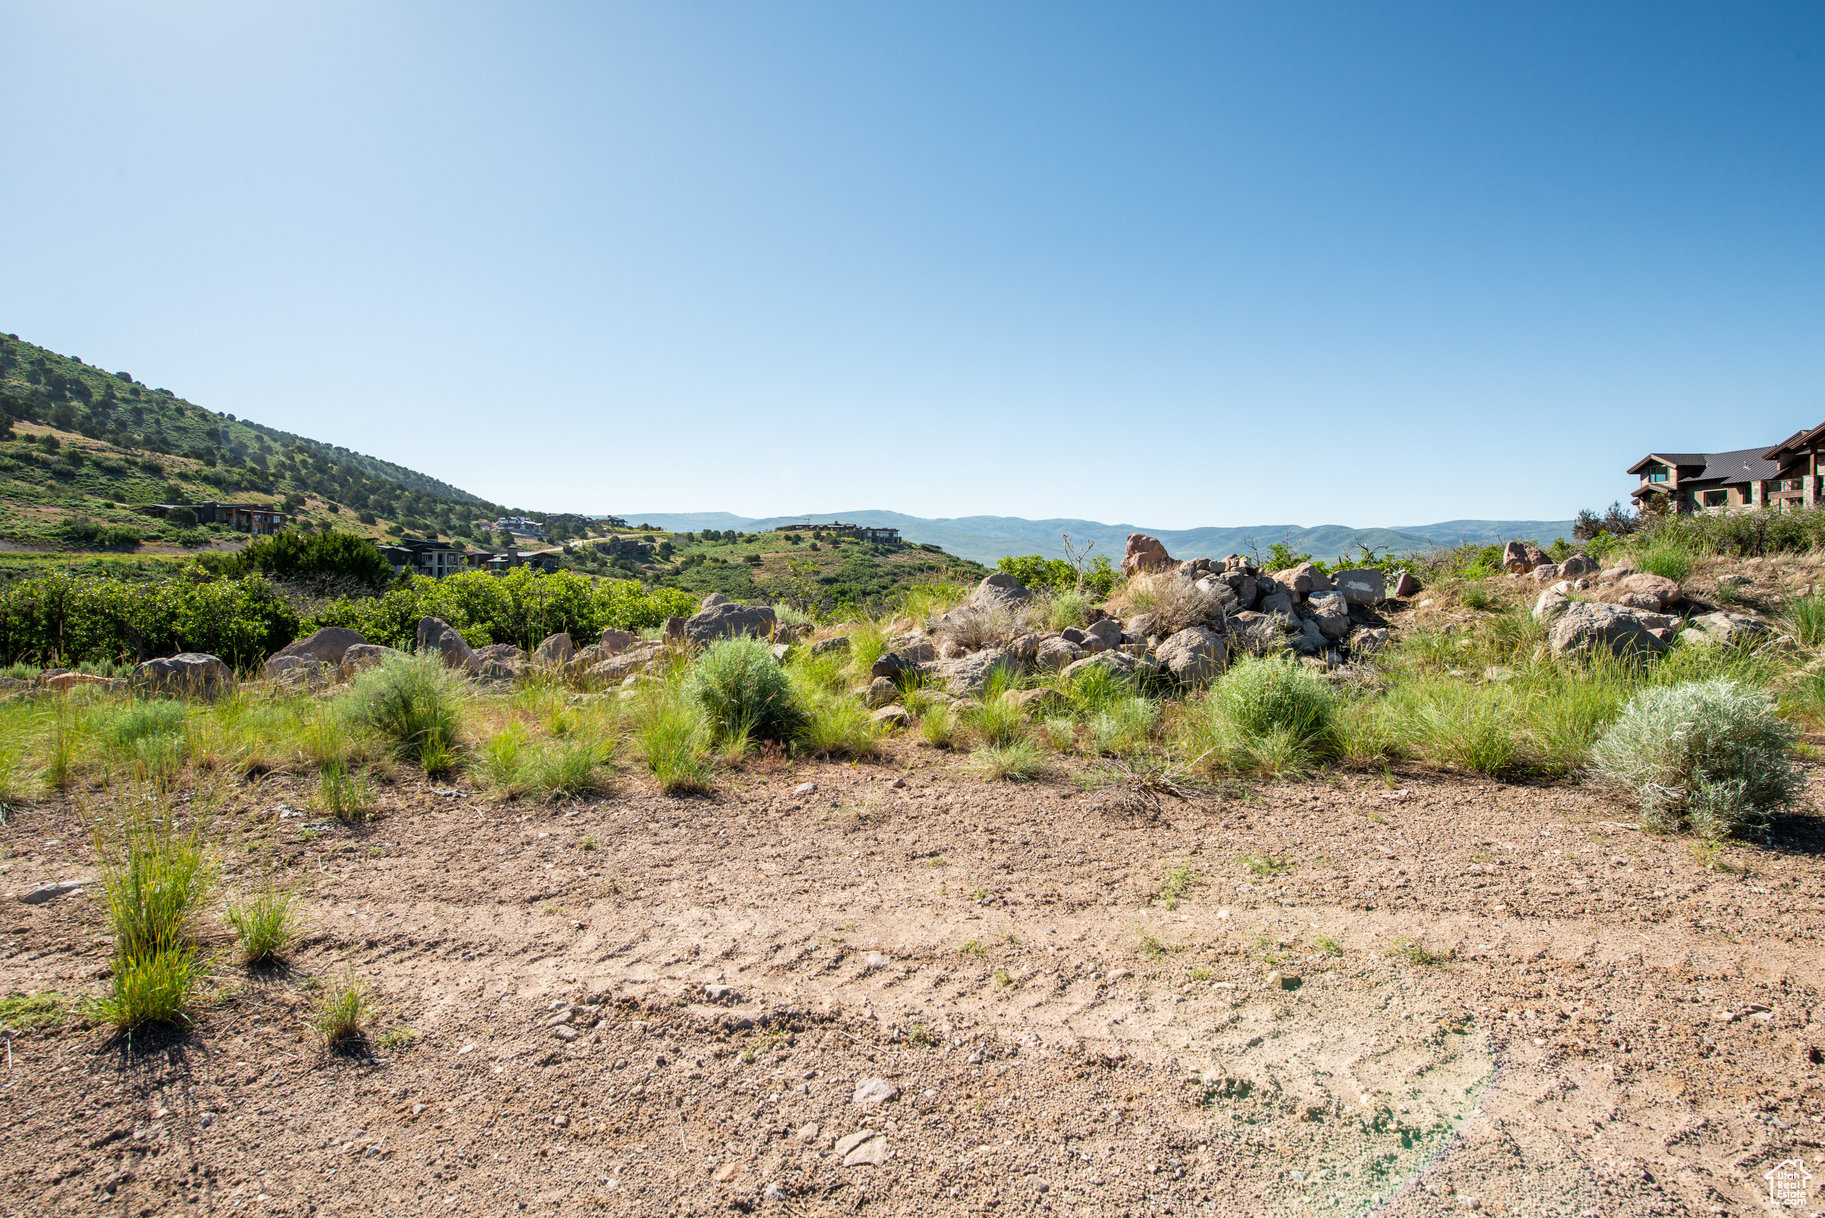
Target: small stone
{"type": "Point", "coordinates": [871, 1153]}
{"type": "Point", "coordinates": [726, 1173]}
{"type": "Point", "coordinates": [721, 993]}
{"type": "Point", "coordinates": [1039, 1184]}
{"type": "Point", "coordinates": [561, 1121]}
{"type": "Point", "coordinates": [804, 788]}
{"type": "Point", "coordinates": [1282, 981]}
{"type": "Point", "coordinates": [875, 960]}
{"type": "Point", "coordinates": [875, 1091]}
{"type": "Point", "coordinates": [1120, 974]}
{"type": "Point", "coordinates": [773, 1192]}
{"type": "Point", "coordinates": [565, 1033]}
{"type": "Point", "coordinates": [39, 896]}
{"type": "Point", "coordinates": [808, 1133]}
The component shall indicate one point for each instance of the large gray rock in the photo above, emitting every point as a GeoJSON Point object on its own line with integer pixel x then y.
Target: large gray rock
{"type": "Point", "coordinates": [554, 650]}
{"type": "Point", "coordinates": [714, 599]}
{"type": "Point", "coordinates": [1614, 628]}
{"type": "Point", "coordinates": [614, 642]}
{"type": "Point", "coordinates": [729, 620]}
{"type": "Point", "coordinates": [1331, 612]}
{"type": "Point", "coordinates": [1363, 585]}
{"type": "Point", "coordinates": [497, 661]}
{"type": "Point", "coordinates": [970, 675]}
{"type": "Point", "coordinates": [1108, 630]}
{"type": "Point", "coordinates": [1000, 590]}
{"type": "Point", "coordinates": [881, 692]}
{"type": "Point", "coordinates": [892, 663]}
{"type": "Point", "coordinates": [832, 646]}
{"type": "Point", "coordinates": [1121, 663]}
{"type": "Point", "coordinates": [1367, 640]}
{"type": "Point", "coordinates": [365, 655]}
{"type": "Point", "coordinates": [437, 635]}
{"type": "Point", "coordinates": [619, 667]}
{"type": "Point", "coordinates": [1193, 656]}
{"type": "Point", "coordinates": [189, 674]}
{"type": "Point", "coordinates": [1644, 591]}
{"type": "Point", "coordinates": [1223, 598]}
{"type": "Point", "coordinates": [1733, 628]}
{"type": "Point", "coordinates": [327, 644]}
{"type": "Point", "coordinates": [1552, 605]}
{"type": "Point", "coordinates": [1054, 654]}
{"type": "Point", "coordinates": [1278, 602]}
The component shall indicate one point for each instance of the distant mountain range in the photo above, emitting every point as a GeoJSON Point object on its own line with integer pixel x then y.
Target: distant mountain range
{"type": "Point", "coordinates": [987, 538]}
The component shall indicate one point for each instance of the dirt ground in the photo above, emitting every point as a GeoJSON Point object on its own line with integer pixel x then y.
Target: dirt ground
{"type": "Point", "coordinates": [1330, 997]}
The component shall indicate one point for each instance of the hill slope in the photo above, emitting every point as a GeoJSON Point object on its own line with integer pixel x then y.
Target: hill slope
{"type": "Point", "coordinates": [987, 538]}
{"type": "Point", "coordinates": [88, 445]}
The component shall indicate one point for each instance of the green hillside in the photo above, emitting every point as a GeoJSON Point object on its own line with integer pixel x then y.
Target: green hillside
{"type": "Point", "coordinates": [81, 447]}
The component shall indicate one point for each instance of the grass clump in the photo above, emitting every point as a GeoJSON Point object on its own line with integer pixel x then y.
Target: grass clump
{"type": "Point", "coordinates": [1017, 761]}
{"type": "Point", "coordinates": [1267, 716]}
{"type": "Point", "coordinates": [412, 703]}
{"type": "Point", "coordinates": [342, 1012]}
{"type": "Point", "coordinates": [263, 924]}
{"type": "Point", "coordinates": [674, 741]}
{"type": "Point", "coordinates": [1668, 557]}
{"type": "Point", "coordinates": [1179, 883]}
{"type": "Point", "coordinates": [156, 880]}
{"type": "Point", "coordinates": [1708, 757]}
{"type": "Point", "coordinates": [19, 1012]}
{"type": "Point", "coordinates": [743, 691]}
{"type": "Point", "coordinates": [938, 726]}
{"type": "Point", "coordinates": [345, 793]}
{"type": "Point", "coordinates": [1806, 614]}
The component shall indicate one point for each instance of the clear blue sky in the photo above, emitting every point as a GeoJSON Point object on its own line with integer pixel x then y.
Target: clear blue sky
{"type": "Point", "coordinates": [1371, 264]}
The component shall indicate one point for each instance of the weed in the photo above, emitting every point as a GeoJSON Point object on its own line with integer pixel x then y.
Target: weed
{"type": "Point", "coordinates": [1267, 716]}
{"type": "Point", "coordinates": [980, 895]}
{"type": "Point", "coordinates": [832, 725]}
{"type": "Point", "coordinates": [1327, 945]}
{"type": "Point", "coordinates": [1016, 762]}
{"type": "Point", "coordinates": [344, 794]}
{"type": "Point", "coordinates": [1807, 617]}
{"type": "Point", "coordinates": [921, 1037]}
{"type": "Point", "coordinates": [263, 924]}
{"type": "Point", "coordinates": [588, 842]}
{"type": "Point", "coordinates": [412, 703]}
{"type": "Point", "coordinates": [974, 949]}
{"type": "Point", "coordinates": [937, 860]}
{"type": "Point", "coordinates": [1151, 948]}
{"type": "Point", "coordinates": [1200, 973]}
{"type": "Point", "coordinates": [45, 1009]}
{"type": "Point", "coordinates": [1179, 883]}
{"type": "Point", "coordinates": [394, 1039]}
{"type": "Point", "coordinates": [342, 1011]}
{"type": "Point", "coordinates": [996, 723]}
{"type": "Point", "coordinates": [1003, 978]}
{"type": "Point", "coordinates": [1265, 864]}
{"type": "Point", "coordinates": [1415, 952]}
{"type": "Point", "coordinates": [674, 742]}
{"type": "Point", "coordinates": [938, 727]}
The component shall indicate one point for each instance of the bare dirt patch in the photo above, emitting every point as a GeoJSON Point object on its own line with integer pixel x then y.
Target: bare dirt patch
{"type": "Point", "coordinates": [1326, 997]}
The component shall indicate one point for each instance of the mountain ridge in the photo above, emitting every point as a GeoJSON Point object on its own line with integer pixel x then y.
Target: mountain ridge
{"type": "Point", "coordinates": [988, 538]}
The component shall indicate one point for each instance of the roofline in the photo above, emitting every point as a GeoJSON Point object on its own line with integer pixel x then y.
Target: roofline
{"type": "Point", "coordinates": [1809, 437]}
{"type": "Point", "coordinates": [1663, 459]}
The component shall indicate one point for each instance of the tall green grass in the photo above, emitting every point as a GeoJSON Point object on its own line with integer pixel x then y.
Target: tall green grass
{"type": "Point", "coordinates": [743, 691]}
{"type": "Point", "coordinates": [156, 879]}
{"type": "Point", "coordinates": [1266, 716]}
{"type": "Point", "coordinates": [414, 704]}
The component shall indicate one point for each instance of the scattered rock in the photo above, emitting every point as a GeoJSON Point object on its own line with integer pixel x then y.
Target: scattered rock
{"type": "Point", "coordinates": [728, 619]}
{"type": "Point", "coordinates": [1054, 654]}
{"type": "Point", "coordinates": [1405, 585]}
{"type": "Point", "coordinates": [554, 650]}
{"type": "Point", "coordinates": [876, 960]}
{"type": "Point", "coordinates": [970, 675]}
{"type": "Point", "coordinates": [870, 1153]}
{"type": "Point", "coordinates": [614, 642]}
{"type": "Point", "coordinates": [881, 692]}
{"type": "Point", "coordinates": [1036, 701]}
{"type": "Point", "coordinates": [497, 661]}
{"type": "Point", "coordinates": [49, 892]}
{"type": "Point", "coordinates": [362, 656]}
{"type": "Point", "coordinates": [721, 993]}
{"type": "Point", "coordinates": [565, 1033]}
{"type": "Point", "coordinates": [1193, 656]}
{"type": "Point", "coordinates": [1520, 557]}
{"type": "Point", "coordinates": [1614, 628]}
{"type": "Point", "coordinates": [435, 634]}
{"type": "Point", "coordinates": [1303, 579]}
{"type": "Point", "coordinates": [1283, 981]}
{"type": "Point", "coordinates": [193, 674]}
{"type": "Point", "coordinates": [875, 1091]}
{"type": "Point", "coordinates": [1000, 590]}
{"type": "Point", "coordinates": [63, 682]}
{"type": "Point", "coordinates": [1577, 566]}
{"type": "Point", "coordinates": [1363, 586]}
{"type": "Point", "coordinates": [890, 716]}
{"type": "Point", "coordinates": [1121, 663]}
{"type": "Point", "coordinates": [1367, 640]}
{"type": "Point", "coordinates": [1144, 553]}
{"type": "Point", "coordinates": [327, 645]}
{"type": "Point", "coordinates": [808, 1133]}
{"type": "Point", "coordinates": [1732, 628]}
{"type": "Point", "coordinates": [805, 788]}
{"type": "Point", "coordinates": [726, 1173]}
{"type": "Point", "coordinates": [1546, 572]}
{"type": "Point", "coordinates": [1644, 591]}
{"type": "Point", "coordinates": [832, 646]}
{"type": "Point", "coordinates": [1331, 612]}
{"type": "Point", "coordinates": [1552, 605]}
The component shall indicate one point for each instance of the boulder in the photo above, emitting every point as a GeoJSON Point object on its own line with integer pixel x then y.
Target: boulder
{"type": "Point", "coordinates": [1405, 585]}
{"type": "Point", "coordinates": [1121, 663]}
{"type": "Point", "coordinates": [1367, 640]}
{"type": "Point", "coordinates": [1552, 605]}
{"type": "Point", "coordinates": [1054, 654]}
{"type": "Point", "coordinates": [970, 675]}
{"type": "Point", "coordinates": [1644, 591]}
{"type": "Point", "coordinates": [1278, 602]}
{"type": "Point", "coordinates": [301, 672]}
{"type": "Point", "coordinates": [1363, 585]}
{"type": "Point", "coordinates": [328, 644]}
{"type": "Point", "coordinates": [365, 655]}
{"type": "Point", "coordinates": [1610, 575]}
{"type": "Point", "coordinates": [192, 674]}
{"type": "Point", "coordinates": [891, 664]}
{"type": "Point", "coordinates": [714, 599]}
{"type": "Point", "coordinates": [1737, 629]}
{"type": "Point", "coordinates": [1303, 579]}
{"type": "Point", "coordinates": [554, 650]}
{"type": "Point", "coordinates": [999, 591]}
{"type": "Point", "coordinates": [1223, 598]}
{"type": "Point", "coordinates": [1108, 630]}
{"type": "Point", "coordinates": [881, 692]}
{"type": "Point", "coordinates": [792, 632]}
{"type": "Point", "coordinates": [282, 666]}
{"type": "Point", "coordinates": [729, 619]}
{"type": "Point", "coordinates": [435, 634]}
{"type": "Point", "coordinates": [1193, 656]}
{"type": "Point", "coordinates": [1310, 639]}
{"type": "Point", "coordinates": [618, 668]}
{"type": "Point", "coordinates": [832, 646]}
{"type": "Point", "coordinates": [1331, 612]}
{"type": "Point", "coordinates": [915, 647]}
{"type": "Point", "coordinates": [1546, 573]}
{"type": "Point", "coordinates": [614, 642]}
{"type": "Point", "coordinates": [1577, 566]}
{"type": "Point", "coordinates": [1144, 553]}
{"type": "Point", "coordinates": [1613, 628]}
{"type": "Point", "coordinates": [890, 716]}
{"type": "Point", "coordinates": [1520, 557]}
{"type": "Point", "coordinates": [497, 661]}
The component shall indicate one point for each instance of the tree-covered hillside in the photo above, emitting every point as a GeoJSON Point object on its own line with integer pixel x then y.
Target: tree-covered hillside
{"type": "Point", "coordinates": [80, 447]}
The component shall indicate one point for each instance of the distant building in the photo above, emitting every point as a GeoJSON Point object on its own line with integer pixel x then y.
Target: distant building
{"type": "Point", "coordinates": [243, 517]}
{"type": "Point", "coordinates": [1778, 477]}
{"type": "Point", "coordinates": [502, 561]}
{"type": "Point", "coordinates": [857, 531]}
{"type": "Point", "coordinates": [426, 556]}
{"type": "Point", "coordinates": [520, 526]}
{"type": "Point", "coordinates": [611, 522]}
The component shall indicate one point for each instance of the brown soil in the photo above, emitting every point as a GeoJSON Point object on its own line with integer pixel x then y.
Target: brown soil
{"type": "Point", "coordinates": [1503, 997]}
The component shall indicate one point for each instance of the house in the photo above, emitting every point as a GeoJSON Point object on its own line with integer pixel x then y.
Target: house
{"type": "Point", "coordinates": [243, 517]}
{"type": "Point", "coordinates": [1779, 477]}
{"type": "Point", "coordinates": [426, 556]}
{"type": "Point", "coordinates": [519, 526]}
{"type": "Point", "coordinates": [611, 522]}
{"type": "Point", "coordinates": [857, 531]}
{"type": "Point", "coordinates": [502, 561]}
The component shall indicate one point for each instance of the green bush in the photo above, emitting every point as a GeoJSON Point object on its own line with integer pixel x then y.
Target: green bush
{"type": "Point", "coordinates": [1267, 716]}
{"type": "Point", "coordinates": [1057, 575]}
{"type": "Point", "coordinates": [73, 619]}
{"type": "Point", "coordinates": [1666, 555]}
{"type": "Point", "coordinates": [320, 563]}
{"type": "Point", "coordinates": [1705, 756]}
{"type": "Point", "coordinates": [743, 691]}
{"type": "Point", "coordinates": [412, 702]}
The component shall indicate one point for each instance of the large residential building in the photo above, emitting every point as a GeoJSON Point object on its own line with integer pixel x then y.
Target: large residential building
{"type": "Point", "coordinates": [426, 556]}
{"type": "Point", "coordinates": [1778, 476]}
{"type": "Point", "coordinates": [858, 531]}
{"type": "Point", "coordinates": [246, 517]}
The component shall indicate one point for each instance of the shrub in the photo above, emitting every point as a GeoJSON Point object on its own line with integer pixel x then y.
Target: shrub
{"type": "Point", "coordinates": [412, 702]}
{"type": "Point", "coordinates": [1667, 556]}
{"type": "Point", "coordinates": [1807, 614]}
{"type": "Point", "coordinates": [1179, 604]}
{"type": "Point", "coordinates": [71, 619]}
{"type": "Point", "coordinates": [319, 563]}
{"type": "Point", "coordinates": [263, 924]}
{"type": "Point", "coordinates": [1267, 716]}
{"type": "Point", "coordinates": [1705, 756]}
{"type": "Point", "coordinates": [743, 691]}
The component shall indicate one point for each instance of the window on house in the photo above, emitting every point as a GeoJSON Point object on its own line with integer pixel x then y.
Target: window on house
{"type": "Point", "coordinates": [1657, 473]}
{"type": "Point", "coordinates": [1716, 498]}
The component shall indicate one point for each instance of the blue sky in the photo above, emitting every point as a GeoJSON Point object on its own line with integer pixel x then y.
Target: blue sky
{"type": "Point", "coordinates": [1178, 265]}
